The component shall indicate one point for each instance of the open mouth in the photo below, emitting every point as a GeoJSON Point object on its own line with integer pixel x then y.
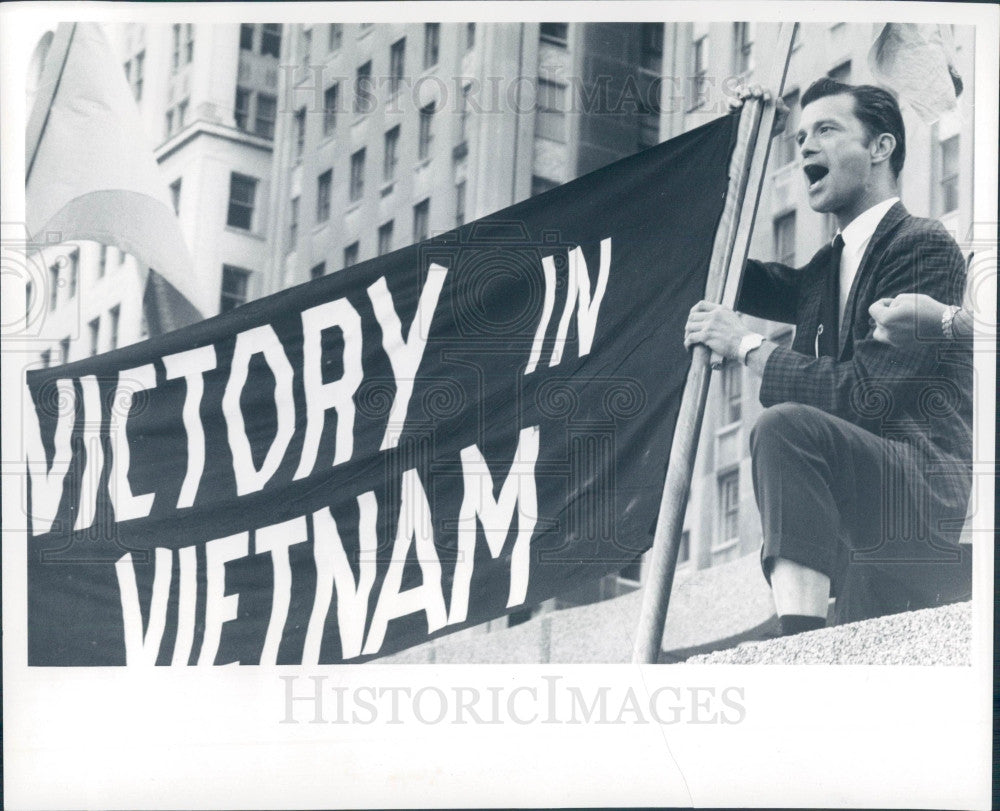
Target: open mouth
{"type": "Point", "coordinates": [815, 172]}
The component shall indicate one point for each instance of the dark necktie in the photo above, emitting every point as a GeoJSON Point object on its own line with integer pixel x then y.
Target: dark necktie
{"type": "Point", "coordinates": [829, 317]}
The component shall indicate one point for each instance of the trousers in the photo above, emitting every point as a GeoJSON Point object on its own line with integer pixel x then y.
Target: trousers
{"type": "Point", "coordinates": [859, 508]}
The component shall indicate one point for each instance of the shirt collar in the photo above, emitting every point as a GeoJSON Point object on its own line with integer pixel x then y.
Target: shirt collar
{"type": "Point", "coordinates": [859, 230]}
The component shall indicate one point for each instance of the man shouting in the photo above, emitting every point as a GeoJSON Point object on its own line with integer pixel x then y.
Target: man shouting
{"type": "Point", "coordinates": [862, 457]}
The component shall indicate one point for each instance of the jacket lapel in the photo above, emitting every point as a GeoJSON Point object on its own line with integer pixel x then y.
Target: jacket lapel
{"type": "Point", "coordinates": [873, 253]}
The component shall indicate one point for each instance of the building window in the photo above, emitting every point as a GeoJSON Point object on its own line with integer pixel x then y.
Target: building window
{"type": "Point", "coordinates": [948, 184]}
{"type": "Point", "coordinates": [463, 113]}
{"type": "Point", "coordinates": [175, 53]}
{"type": "Point", "coordinates": [729, 510]}
{"type": "Point", "coordinates": [351, 253]}
{"type": "Point", "coordinates": [787, 147]}
{"type": "Point", "coordinates": [64, 350]}
{"type": "Point", "coordinates": [334, 36]}
{"type": "Point", "coordinates": [699, 71]}
{"type": "Point", "coordinates": [841, 73]}
{"type": "Point", "coordinates": [460, 203]}
{"type": "Point", "coordinates": [102, 262]}
{"type": "Point", "coordinates": [246, 36]}
{"type": "Point", "coordinates": [234, 288]}
{"type": "Point", "coordinates": [331, 98]}
{"type": "Point", "coordinates": [134, 73]}
{"type": "Point", "coordinates": [175, 198]}
{"type": "Point", "coordinates": [188, 43]}
{"type": "Point", "coordinates": [784, 239]}
{"type": "Point", "coordinates": [305, 44]}
{"type": "Point", "coordinates": [397, 58]}
{"type": "Point", "coordinates": [391, 155]}
{"type": "Point", "coordinates": [426, 133]}
{"type": "Point", "coordinates": [270, 39]}
{"type": "Point", "coordinates": [323, 184]}
{"type": "Point", "coordinates": [267, 108]}
{"type": "Point", "coordinates": [114, 316]}
{"type": "Point", "coordinates": [363, 97]}
{"type": "Point", "coordinates": [550, 120]}
{"type": "Point", "coordinates": [432, 40]}
{"type": "Point", "coordinates": [421, 217]}
{"type": "Point", "coordinates": [300, 133]}
{"type": "Point", "coordinates": [732, 391]}
{"type": "Point", "coordinates": [651, 58]}
{"type": "Point", "coordinates": [74, 272]}
{"type": "Point", "coordinates": [242, 193]}
{"type": "Point", "coordinates": [743, 47]}
{"type": "Point", "coordinates": [94, 328]}
{"type": "Point", "coordinates": [556, 33]}
{"type": "Point", "coordinates": [241, 108]}
{"type": "Point", "coordinates": [293, 223]}
{"type": "Point", "coordinates": [357, 185]}
{"type": "Point", "coordinates": [540, 185]}
{"type": "Point", "coordinates": [385, 238]}
{"type": "Point", "coordinates": [470, 36]}
{"type": "Point", "coordinates": [46, 358]}
{"type": "Point", "coordinates": [317, 270]}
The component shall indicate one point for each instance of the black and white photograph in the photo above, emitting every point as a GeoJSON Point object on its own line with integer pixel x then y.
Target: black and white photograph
{"type": "Point", "coordinates": [465, 409]}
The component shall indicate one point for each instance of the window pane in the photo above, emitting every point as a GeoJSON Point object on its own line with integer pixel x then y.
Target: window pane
{"type": "Point", "coordinates": [426, 135]}
{"type": "Point", "coordinates": [317, 270]}
{"type": "Point", "coordinates": [385, 238]}
{"type": "Point", "coordinates": [390, 158]}
{"type": "Point", "coordinates": [323, 183]}
{"type": "Point", "coordinates": [331, 99]}
{"type": "Point", "coordinates": [351, 253]}
{"type": "Point", "coordinates": [241, 108]}
{"type": "Point", "coordinates": [242, 191]}
{"type": "Point", "coordinates": [234, 287]}
{"type": "Point", "coordinates": [246, 37]}
{"type": "Point", "coordinates": [397, 58]}
{"type": "Point", "coordinates": [554, 32]}
{"type": "Point", "coordinates": [432, 33]}
{"type": "Point", "coordinates": [334, 36]}
{"type": "Point", "coordinates": [357, 189]}
{"type": "Point", "coordinates": [266, 108]}
{"type": "Point", "coordinates": [270, 39]}
{"type": "Point", "coordinates": [364, 99]}
{"type": "Point", "coordinates": [421, 215]}
{"type": "Point", "coordinates": [300, 132]}
{"type": "Point", "coordinates": [550, 119]}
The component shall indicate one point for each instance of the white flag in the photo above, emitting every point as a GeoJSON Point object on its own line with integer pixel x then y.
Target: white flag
{"type": "Point", "coordinates": [94, 175]}
{"type": "Point", "coordinates": [917, 61]}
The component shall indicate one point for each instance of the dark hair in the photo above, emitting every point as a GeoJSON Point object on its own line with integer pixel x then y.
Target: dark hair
{"type": "Point", "coordinates": [876, 109]}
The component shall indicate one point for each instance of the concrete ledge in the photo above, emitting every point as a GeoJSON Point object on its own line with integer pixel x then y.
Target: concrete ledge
{"type": "Point", "coordinates": [932, 636]}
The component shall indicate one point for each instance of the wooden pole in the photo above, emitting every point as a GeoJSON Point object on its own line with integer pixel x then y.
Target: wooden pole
{"type": "Point", "coordinates": [48, 84]}
{"type": "Point", "coordinates": [729, 252]}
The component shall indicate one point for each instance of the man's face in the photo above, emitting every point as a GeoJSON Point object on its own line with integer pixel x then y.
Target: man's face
{"type": "Point", "coordinates": [835, 154]}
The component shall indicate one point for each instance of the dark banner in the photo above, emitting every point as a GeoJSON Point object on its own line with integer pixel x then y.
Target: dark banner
{"type": "Point", "coordinates": [408, 447]}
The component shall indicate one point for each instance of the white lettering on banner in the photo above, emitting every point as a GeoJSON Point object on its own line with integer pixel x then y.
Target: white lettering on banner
{"type": "Point", "coordinates": [496, 517]}
{"type": "Point", "coordinates": [334, 570]}
{"type": "Point", "coordinates": [414, 526]}
{"type": "Point", "coordinates": [142, 649]}
{"type": "Point", "coordinates": [127, 504]}
{"type": "Point", "coordinates": [261, 340]}
{"type": "Point", "coordinates": [339, 395]}
{"type": "Point", "coordinates": [219, 606]}
{"type": "Point", "coordinates": [47, 480]}
{"type": "Point", "coordinates": [332, 567]}
{"type": "Point", "coordinates": [578, 300]}
{"type": "Point", "coordinates": [276, 539]}
{"type": "Point", "coordinates": [91, 476]}
{"type": "Point", "coordinates": [192, 365]}
{"type": "Point", "coordinates": [405, 354]}
{"type": "Point", "coordinates": [186, 605]}
{"type": "Point", "coordinates": [549, 272]}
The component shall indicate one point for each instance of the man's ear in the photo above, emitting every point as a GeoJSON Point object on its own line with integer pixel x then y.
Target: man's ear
{"type": "Point", "coordinates": [882, 147]}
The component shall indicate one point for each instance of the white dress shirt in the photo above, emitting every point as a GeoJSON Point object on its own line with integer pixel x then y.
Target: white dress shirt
{"type": "Point", "coordinates": [857, 234]}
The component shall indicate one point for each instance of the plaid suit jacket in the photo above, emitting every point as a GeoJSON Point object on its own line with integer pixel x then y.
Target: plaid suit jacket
{"type": "Point", "coordinates": [920, 396]}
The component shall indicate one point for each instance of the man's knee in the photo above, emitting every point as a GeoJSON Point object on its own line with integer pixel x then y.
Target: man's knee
{"type": "Point", "coordinates": [780, 424]}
